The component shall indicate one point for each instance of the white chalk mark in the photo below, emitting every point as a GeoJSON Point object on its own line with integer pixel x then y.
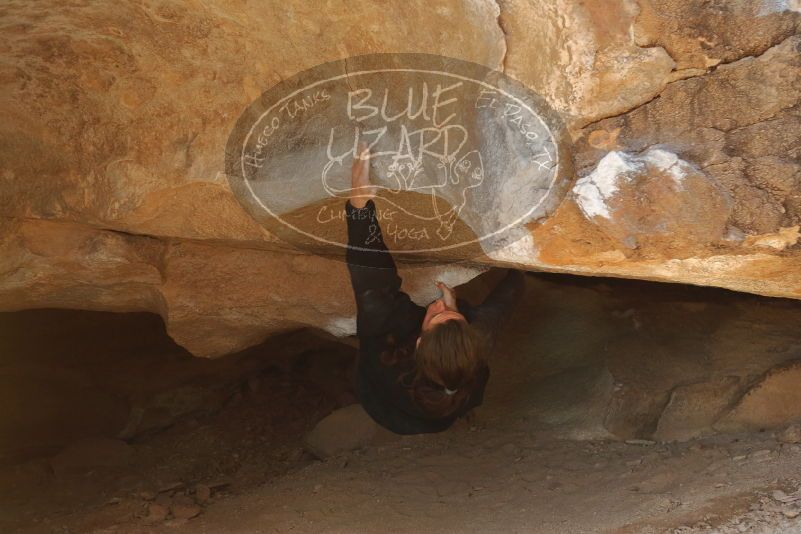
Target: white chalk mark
{"type": "Point", "coordinates": [778, 6]}
{"type": "Point", "coordinates": [594, 191]}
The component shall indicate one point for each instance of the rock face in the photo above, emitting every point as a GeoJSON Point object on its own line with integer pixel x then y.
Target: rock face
{"type": "Point", "coordinates": [344, 430]}
{"type": "Point", "coordinates": [74, 374]}
{"type": "Point", "coordinates": [583, 357]}
{"type": "Point", "coordinates": [693, 409]}
{"type": "Point", "coordinates": [651, 362]}
{"type": "Point", "coordinates": [215, 299]}
{"type": "Point", "coordinates": [772, 402]}
{"type": "Point", "coordinates": [113, 197]}
{"type": "Point", "coordinates": [654, 200]}
{"type": "Point", "coordinates": [83, 455]}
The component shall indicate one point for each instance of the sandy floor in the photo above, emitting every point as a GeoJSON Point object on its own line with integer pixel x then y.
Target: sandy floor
{"type": "Point", "coordinates": [512, 481]}
{"type": "Point", "coordinates": [494, 481]}
{"type": "Point", "coordinates": [511, 468]}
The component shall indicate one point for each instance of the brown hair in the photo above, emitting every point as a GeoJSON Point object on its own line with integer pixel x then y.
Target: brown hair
{"type": "Point", "coordinates": [449, 355]}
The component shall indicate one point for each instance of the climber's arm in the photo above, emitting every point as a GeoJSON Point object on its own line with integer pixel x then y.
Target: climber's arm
{"type": "Point", "coordinates": [490, 315]}
{"type": "Point", "coordinates": [370, 263]}
{"type": "Point", "coordinates": [382, 308]}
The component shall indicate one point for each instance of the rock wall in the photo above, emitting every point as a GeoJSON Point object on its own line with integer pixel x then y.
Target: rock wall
{"type": "Point", "coordinates": [70, 375]}
{"type": "Point", "coordinates": [653, 361]}
{"type": "Point", "coordinates": [685, 117]}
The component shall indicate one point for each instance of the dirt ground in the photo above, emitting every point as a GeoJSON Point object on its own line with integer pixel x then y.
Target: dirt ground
{"type": "Point", "coordinates": [536, 457]}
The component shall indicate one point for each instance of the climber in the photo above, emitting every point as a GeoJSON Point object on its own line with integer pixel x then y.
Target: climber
{"type": "Point", "coordinates": [419, 368]}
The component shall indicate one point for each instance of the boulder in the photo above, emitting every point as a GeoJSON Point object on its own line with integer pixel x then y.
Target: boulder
{"type": "Point", "coordinates": [654, 200]}
{"type": "Point", "coordinates": [773, 401]}
{"type": "Point", "coordinates": [113, 193]}
{"type": "Point", "coordinates": [90, 453]}
{"type": "Point", "coordinates": [344, 430]}
{"type": "Point", "coordinates": [791, 434]}
{"type": "Point", "coordinates": [693, 409]}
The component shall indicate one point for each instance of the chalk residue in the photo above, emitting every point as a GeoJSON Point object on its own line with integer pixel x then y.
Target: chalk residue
{"type": "Point", "coordinates": [420, 282]}
{"type": "Point", "coordinates": [668, 162]}
{"type": "Point", "coordinates": [785, 237]}
{"type": "Point", "coordinates": [341, 326]}
{"type": "Point", "coordinates": [519, 249]}
{"type": "Point", "coordinates": [594, 191]}
{"type": "Point", "coordinates": [778, 6]}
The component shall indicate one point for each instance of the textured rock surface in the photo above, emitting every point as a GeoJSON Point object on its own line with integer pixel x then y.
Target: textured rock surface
{"type": "Point", "coordinates": [112, 195]}
{"type": "Point", "coordinates": [344, 430]}
{"type": "Point", "coordinates": [581, 358]}
{"type": "Point", "coordinates": [214, 298]}
{"type": "Point", "coordinates": [693, 409]}
{"type": "Point", "coordinates": [652, 361]}
{"type": "Point", "coordinates": [71, 374]}
{"type": "Point", "coordinates": [655, 196]}
{"type": "Point", "coordinates": [774, 400]}
{"type": "Point", "coordinates": [736, 127]}
{"type": "Point", "coordinates": [581, 57]}
{"type": "Point", "coordinates": [86, 454]}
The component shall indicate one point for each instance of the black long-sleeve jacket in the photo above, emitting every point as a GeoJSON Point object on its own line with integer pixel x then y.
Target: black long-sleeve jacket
{"type": "Point", "coordinates": [386, 316]}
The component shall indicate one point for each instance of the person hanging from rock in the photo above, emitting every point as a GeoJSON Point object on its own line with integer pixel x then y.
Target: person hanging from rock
{"type": "Point", "coordinates": [419, 369]}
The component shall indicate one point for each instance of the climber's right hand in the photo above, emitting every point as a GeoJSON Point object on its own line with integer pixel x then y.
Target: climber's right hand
{"type": "Point", "coordinates": [360, 188]}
